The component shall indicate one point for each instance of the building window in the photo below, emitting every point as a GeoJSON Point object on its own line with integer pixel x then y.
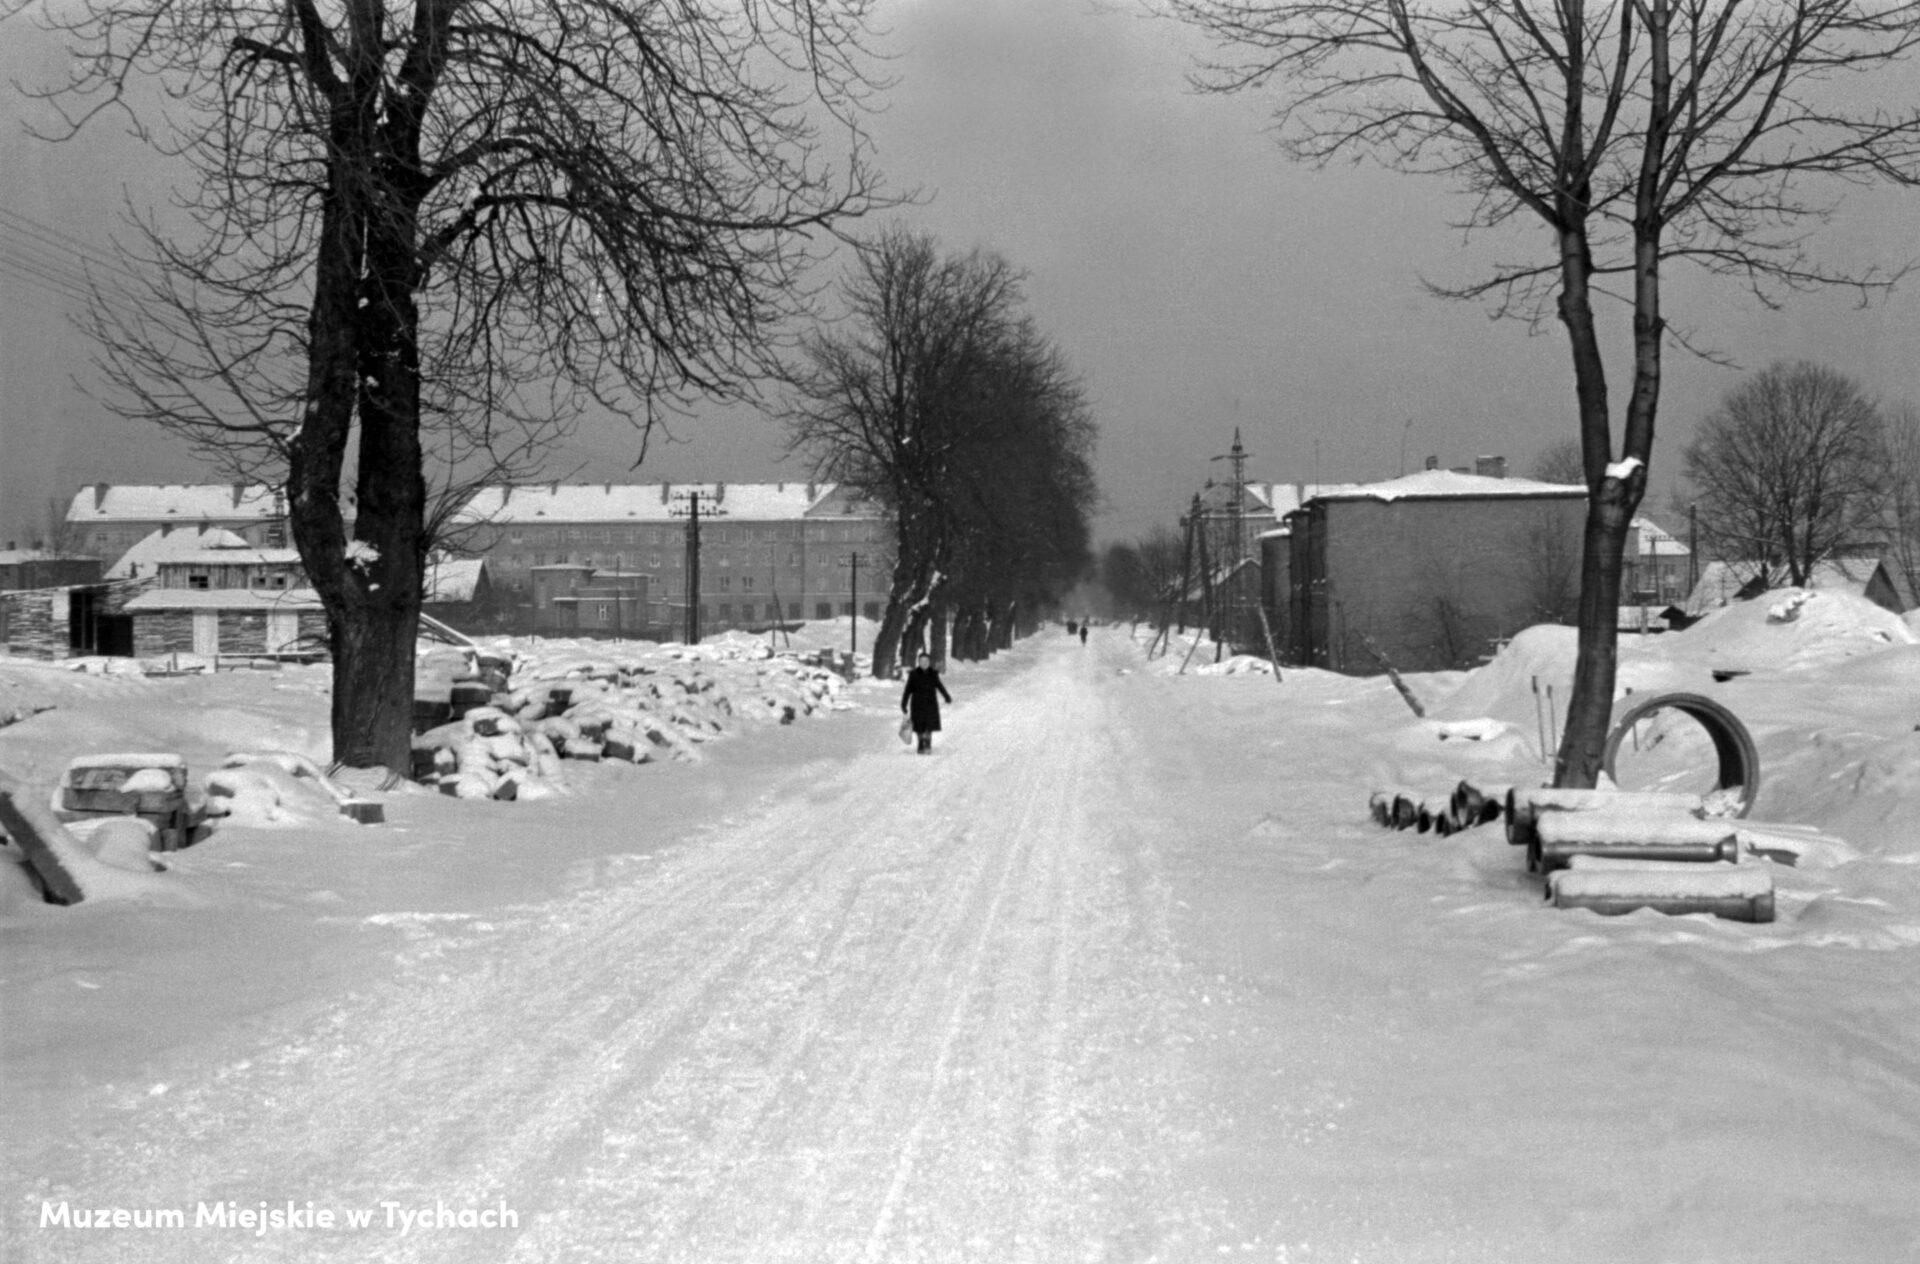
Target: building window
{"type": "Point", "coordinates": [823, 610]}
{"type": "Point", "coordinates": [726, 613]}
{"type": "Point", "coordinates": [746, 583]}
{"type": "Point", "coordinates": [793, 610]}
{"type": "Point", "coordinates": [872, 609]}
{"type": "Point", "coordinates": [846, 607]}
{"type": "Point", "coordinates": [199, 581]}
{"type": "Point", "coordinates": [725, 583]}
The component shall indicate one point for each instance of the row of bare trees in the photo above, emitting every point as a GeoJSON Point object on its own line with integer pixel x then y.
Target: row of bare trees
{"type": "Point", "coordinates": [939, 398]}
{"type": "Point", "coordinates": [1629, 135]}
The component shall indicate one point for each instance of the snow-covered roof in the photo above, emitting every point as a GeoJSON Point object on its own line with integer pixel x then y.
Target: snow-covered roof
{"type": "Point", "coordinates": [169, 544]}
{"type": "Point", "coordinates": [155, 759]}
{"type": "Point", "coordinates": [1653, 540]}
{"type": "Point", "coordinates": [187, 502]}
{"type": "Point", "coordinates": [1284, 498]}
{"type": "Point", "coordinates": [642, 502]}
{"type": "Point", "coordinates": [245, 555]}
{"type": "Point", "coordinates": [1722, 582]}
{"type": "Point", "coordinates": [226, 599]}
{"type": "Point", "coordinates": [1442, 484]}
{"type": "Point", "coordinates": [15, 557]}
{"type": "Point", "coordinates": [451, 578]}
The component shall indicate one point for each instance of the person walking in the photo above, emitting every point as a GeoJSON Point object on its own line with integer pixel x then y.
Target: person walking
{"type": "Point", "coordinates": [1083, 634]}
{"type": "Point", "coordinates": [920, 702]}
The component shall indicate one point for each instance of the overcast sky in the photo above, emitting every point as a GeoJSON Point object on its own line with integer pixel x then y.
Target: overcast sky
{"type": "Point", "coordinates": [1196, 279]}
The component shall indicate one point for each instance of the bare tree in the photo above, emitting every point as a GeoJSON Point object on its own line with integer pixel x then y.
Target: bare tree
{"type": "Point", "coordinates": [1902, 498]}
{"type": "Point", "coordinates": [1561, 462]}
{"type": "Point", "coordinates": [1636, 133]}
{"type": "Point", "coordinates": [1548, 550]}
{"type": "Point", "coordinates": [424, 235]}
{"type": "Point", "coordinates": [1790, 469]}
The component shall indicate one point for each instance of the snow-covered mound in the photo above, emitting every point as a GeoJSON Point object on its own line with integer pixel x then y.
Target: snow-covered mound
{"type": "Point", "coordinates": [1791, 629]}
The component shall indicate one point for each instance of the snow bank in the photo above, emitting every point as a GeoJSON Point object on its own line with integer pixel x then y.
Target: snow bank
{"type": "Point", "coordinates": [1789, 630]}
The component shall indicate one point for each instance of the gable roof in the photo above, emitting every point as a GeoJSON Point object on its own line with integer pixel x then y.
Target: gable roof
{"type": "Point", "coordinates": [169, 544]}
{"type": "Point", "coordinates": [451, 579]}
{"type": "Point", "coordinates": [1723, 582]}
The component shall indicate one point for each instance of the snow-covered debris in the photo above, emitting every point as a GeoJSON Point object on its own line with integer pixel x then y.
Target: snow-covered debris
{"type": "Point", "coordinates": [628, 702]}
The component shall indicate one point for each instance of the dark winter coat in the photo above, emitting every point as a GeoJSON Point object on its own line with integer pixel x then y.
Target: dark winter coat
{"type": "Point", "coordinates": [921, 700]}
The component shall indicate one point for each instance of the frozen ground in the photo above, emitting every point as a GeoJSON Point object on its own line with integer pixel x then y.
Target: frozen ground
{"type": "Point", "coordinates": [1122, 972]}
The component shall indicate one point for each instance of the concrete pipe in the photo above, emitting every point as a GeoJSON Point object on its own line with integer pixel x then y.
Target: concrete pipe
{"type": "Point", "coordinates": [1739, 760]}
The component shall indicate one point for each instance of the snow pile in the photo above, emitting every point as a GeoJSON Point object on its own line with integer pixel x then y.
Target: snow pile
{"type": "Point", "coordinates": [626, 701]}
{"type": "Point", "coordinates": [1238, 665]}
{"type": "Point", "coordinates": [1799, 628]}
{"type": "Point", "coordinates": [272, 789]}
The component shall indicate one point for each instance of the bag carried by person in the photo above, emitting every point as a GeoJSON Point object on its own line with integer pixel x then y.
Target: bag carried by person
{"type": "Point", "coordinates": [906, 728]}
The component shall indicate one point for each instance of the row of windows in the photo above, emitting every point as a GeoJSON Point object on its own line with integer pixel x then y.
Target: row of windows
{"type": "Point", "coordinates": [606, 613]}
{"type": "Point", "coordinates": [709, 534]}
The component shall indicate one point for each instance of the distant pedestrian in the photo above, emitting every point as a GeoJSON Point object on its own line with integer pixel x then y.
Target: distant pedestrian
{"type": "Point", "coordinates": [1083, 634]}
{"type": "Point", "coordinates": [921, 700]}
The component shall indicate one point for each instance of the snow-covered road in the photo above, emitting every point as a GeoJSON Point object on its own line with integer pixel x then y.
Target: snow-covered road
{"type": "Point", "coordinates": [1121, 973]}
{"type": "Point", "coordinates": [917, 1010]}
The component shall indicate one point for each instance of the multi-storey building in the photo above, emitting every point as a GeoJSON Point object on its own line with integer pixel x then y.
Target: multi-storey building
{"type": "Point", "coordinates": [769, 552]}
{"type": "Point", "coordinates": [107, 519]}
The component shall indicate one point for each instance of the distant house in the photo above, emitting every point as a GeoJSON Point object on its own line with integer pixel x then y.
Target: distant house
{"type": "Point", "coordinates": [1865, 576]}
{"type": "Point", "coordinates": [459, 591]}
{"type": "Point", "coordinates": [1428, 571]}
{"type": "Point", "coordinates": [570, 600]}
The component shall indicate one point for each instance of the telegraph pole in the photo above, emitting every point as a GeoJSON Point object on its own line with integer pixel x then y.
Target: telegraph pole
{"type": "Point", "coordinates": [1236, 457]}
{"type": "Point", "coordinates": [691, 512]}
{"type": "Point", "coordinates": [852, 562]}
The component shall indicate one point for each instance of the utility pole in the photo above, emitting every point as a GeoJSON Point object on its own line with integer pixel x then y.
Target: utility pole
{"type": "Point", "coordinates": [852, 562]}
{"type": "Point", "coordinates": [1236, 457]}
{"type": "Point", "coordinates": [687, 505]}
{"type": "Point", "coordinates": [1693, 548]}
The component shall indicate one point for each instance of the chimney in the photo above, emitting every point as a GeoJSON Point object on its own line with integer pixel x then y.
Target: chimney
{"type": "Point", "coordinates": [1433, 462]}
{"type": "Point", "coordinates": [1490, 466]}
{"type": "Point", "coordinates": [239, 494]}
{"type": "Point", "coordinates": [719, 492]}
{"type": "Point", "coordinates": [666, 493]}
{"type": "Point", "coordinates": [100, 496]}
{"type": "Point", "coordinates": [810, 492]}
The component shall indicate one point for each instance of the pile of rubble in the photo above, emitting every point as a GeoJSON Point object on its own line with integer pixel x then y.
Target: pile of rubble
{"type": "Point", "coordinates": [509, 741]}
